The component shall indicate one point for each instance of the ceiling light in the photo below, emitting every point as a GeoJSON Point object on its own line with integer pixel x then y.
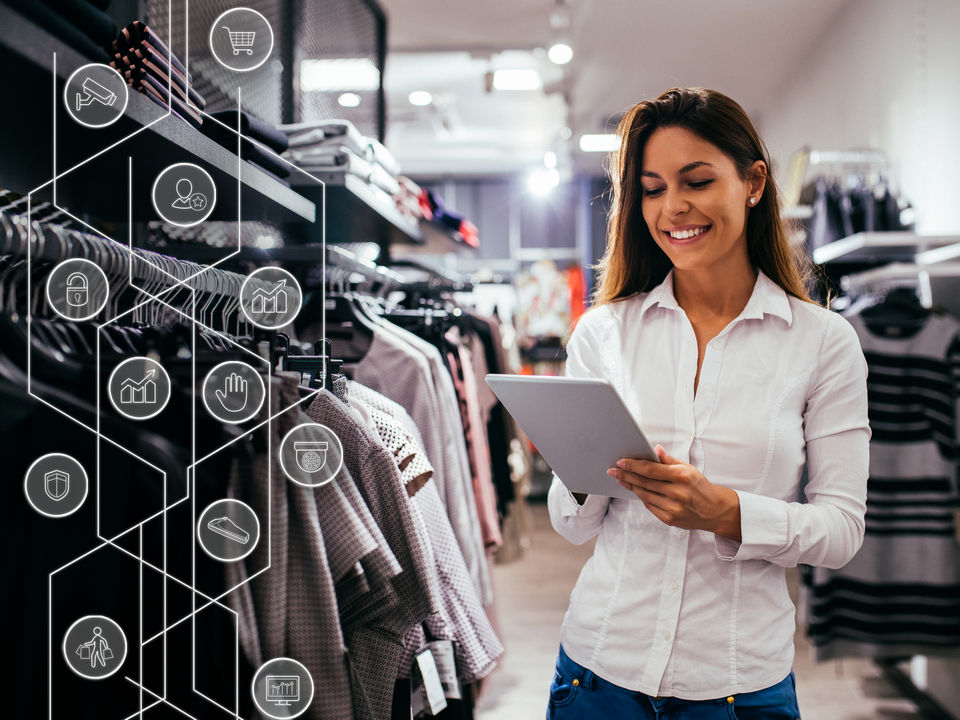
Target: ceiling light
{"type": "Point", "coordinates": [343, 74]}
{"type": "Point", "coordinates": [560, 54]}
{"type": "Point", "coordinates": [420, 98]}
{"type": "Point", "coordinates": [516, 79]}
{"type": "Point", "coordinates": [550, 159]}
{"type": "Point", "coordinates": [606, 142]}
{"type": "Point", "coordinates": [349, 99]}
{"type": "Point", "coordinates": [541, 181]}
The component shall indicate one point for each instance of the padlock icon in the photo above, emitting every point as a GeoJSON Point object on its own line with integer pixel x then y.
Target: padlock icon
{"type": "Point", "coordinates": [77, 290]}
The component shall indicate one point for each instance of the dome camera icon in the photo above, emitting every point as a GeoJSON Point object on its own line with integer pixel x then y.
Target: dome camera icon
{"type": "Point", "coordinates": [311, 456]}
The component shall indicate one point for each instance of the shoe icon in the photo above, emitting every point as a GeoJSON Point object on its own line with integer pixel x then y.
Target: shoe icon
{"type": "Point", "coordinates": [225, 527]}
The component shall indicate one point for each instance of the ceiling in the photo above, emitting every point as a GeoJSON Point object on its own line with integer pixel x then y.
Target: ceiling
{"type": "Point", "coordinates": [624, 51]}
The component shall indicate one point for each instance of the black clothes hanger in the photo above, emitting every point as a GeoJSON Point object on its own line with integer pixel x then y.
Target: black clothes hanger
{"type": "Point", "coordinates": [318, 370]}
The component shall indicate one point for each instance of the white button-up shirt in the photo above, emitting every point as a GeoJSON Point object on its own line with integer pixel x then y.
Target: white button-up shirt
{"type": "Point", "coordinates": [689, 614]}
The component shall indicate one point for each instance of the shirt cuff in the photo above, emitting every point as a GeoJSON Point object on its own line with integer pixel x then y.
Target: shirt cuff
{"type": "Point", "coordinates": [764, 525]}
{"type": "Point", "coordinates": [592, 505]}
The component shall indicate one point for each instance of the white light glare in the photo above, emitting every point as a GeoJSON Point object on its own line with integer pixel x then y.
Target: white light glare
{"type": "Point", "coordinates": [349, 100]}
{"type": "Point", "coordinates": [560, 54]}
{"type": "Point", "coordinates": [550, 159]}
{"type": "Point", "coordinates": [542, 181]}
{"type": "Point", "coordinates": [420, 98]}
{"type": "Point", "coordinates": [605, 142]}
{"type": "Point", "coordinates": [342, 74]}
{"type": "Point", "coordinates": [265, 242]}
{"type": "Point", "coordinates": [516, 80]}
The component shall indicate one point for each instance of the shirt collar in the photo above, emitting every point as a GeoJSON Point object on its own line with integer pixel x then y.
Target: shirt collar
{"type": "Point", "coordinates": [767, 298]}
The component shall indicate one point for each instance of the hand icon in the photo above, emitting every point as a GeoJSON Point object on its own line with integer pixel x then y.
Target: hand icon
{"type": "Point", "coordinates": [233, 396]}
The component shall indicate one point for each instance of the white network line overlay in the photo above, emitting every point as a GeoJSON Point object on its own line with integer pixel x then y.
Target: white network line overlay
{"type": "Point", "coordinates": [158, 698]}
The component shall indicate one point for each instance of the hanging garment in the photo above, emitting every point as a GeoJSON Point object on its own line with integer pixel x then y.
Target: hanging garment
{"type": "Point", "coordinates": [461, 617]}
{"type": "Point", "coordinates": [900, 595]}
{"type": "Point", "coordinates": [475, 432]}
{"type": "Point", "coordinates": [401, 370]}
{"type": "Point", "coordinates": [291, 609]}
{"type": "Point", "coordinates": [376, 650]}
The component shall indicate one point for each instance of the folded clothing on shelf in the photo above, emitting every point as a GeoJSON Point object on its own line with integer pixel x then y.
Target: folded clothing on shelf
{"type": "Point", "coordinates": [342, 159]}
{"type": "Point", "coordinates": [88, 19]}
{"type": "Point", "coordinates": [256, 129]}
{"type": "Point", "coordinates": [252, 127]}
{"type": "Point", "coordinates": [141, 56]}
{"type": "Point", "coordinates": [147, 59]}
{"type": "Point", "coordinates": [72, 33]}
{"type": "Point", "coordinates": [452, 220]}
{"type": "Point", "coordinates": [339, 133]}
{"type": "Point", "coordinates": [411, 200]}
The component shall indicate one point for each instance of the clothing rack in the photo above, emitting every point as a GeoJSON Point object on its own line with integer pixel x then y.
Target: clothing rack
{"type": "Point", "coordinates": [156, 273]}
{"type": "Point", "coordinates": [894, 275]}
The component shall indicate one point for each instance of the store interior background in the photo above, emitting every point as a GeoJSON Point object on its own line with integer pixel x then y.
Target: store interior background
{"type": "Point", "coordinates": [828, 75]}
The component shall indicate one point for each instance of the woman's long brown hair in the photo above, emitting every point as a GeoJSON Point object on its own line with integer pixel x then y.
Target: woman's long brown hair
{"type": "Point", "coordinates": [633, 262]}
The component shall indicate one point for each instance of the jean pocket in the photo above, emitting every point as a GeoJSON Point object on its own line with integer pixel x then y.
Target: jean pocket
{"type": "Point", "coordinates": [563, 689]}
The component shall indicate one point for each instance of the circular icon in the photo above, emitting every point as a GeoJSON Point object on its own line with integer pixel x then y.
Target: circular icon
{"type": "Point", "coordinates": [95, 647]}
{"type": "Point", "coordinates": [282, 688]}
{"type": "Point", "coordinates": [228, 530]}
{"type": "Point", "coordinates": [311, 454]}
{"type": "Point", "coordinates": [270, 298]}
{"type": "Point", "coordinates": [77, 289]}
{"type": "Point", "coordinates": [184, 194]}
{"type": "Point", "coordinates": [233, 392]}
{"type": "Point", "coordinates": [139, 388]}
{"type": "Point", "coordinates": [95, 95]}
{"type": "Point", "coordinates": [56, 485]}
{"type": "Point", "coordinates": [241, 39]}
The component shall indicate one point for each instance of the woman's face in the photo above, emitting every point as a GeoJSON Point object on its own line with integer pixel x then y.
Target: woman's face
{"type": "Point", "coordinates": [693, 200]}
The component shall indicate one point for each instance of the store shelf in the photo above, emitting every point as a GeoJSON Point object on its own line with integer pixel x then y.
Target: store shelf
{"type": "Point", "coordinates": [881, 247]}
{"type": "Point", "coordinates": [99, 188]}
{"type": "Point", "coordinates": [357, 211]}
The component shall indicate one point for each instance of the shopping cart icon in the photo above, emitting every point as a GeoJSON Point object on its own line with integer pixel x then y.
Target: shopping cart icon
{"type": "Point", "coordinates": [241, 41]}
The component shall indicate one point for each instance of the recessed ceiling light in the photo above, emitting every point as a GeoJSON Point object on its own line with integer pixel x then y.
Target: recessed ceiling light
{"type": "Point", "coordinates": [420, 98]}
{"type": "Point", "coordinates": [541, 181]}
{"type": "Point", "coordinates": [560, 54]}
{"type": "Point", "coordinates": [606, 142]}
{"type": "Point", "coordinates": [516, 79]}
{"type": "Point", "coordinates": [349, 100]}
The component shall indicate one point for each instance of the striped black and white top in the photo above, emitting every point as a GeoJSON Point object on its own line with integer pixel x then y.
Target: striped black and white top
{"type": "Point", "coordinates": [900, 595]}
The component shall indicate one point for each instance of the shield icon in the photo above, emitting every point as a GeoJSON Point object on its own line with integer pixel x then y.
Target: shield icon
{"type": "Point", "coordinates": [311, 456]}
{"type": "Point", "coordinates": [56, 484]}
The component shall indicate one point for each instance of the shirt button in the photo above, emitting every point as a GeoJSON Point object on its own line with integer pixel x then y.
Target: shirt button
{"type": "Point", "coordinates": [675, 587]}
{"type": "Point", "coordinates": [666, 635]}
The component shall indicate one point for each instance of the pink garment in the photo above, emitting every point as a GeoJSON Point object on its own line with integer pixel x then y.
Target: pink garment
{"type": "Point", "coordinates": [485, 495]}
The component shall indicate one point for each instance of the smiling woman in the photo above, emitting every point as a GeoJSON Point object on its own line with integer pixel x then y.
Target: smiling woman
{"type": "Point", "coordinates": [703, 325]}
{"type": "Point", "coordinates": [687, 142]}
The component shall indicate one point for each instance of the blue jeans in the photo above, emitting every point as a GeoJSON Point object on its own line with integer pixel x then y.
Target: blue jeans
{"type": "Point", "coordinates": [579, 694]}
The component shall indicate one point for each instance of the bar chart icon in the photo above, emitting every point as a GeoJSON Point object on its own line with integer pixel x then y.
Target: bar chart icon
{"type": "Point", "coordinates": [282, 689]}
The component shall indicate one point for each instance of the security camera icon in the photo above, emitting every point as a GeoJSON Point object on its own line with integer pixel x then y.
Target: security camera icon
{"type": "Point", "coordinates": [94, 92]}
{"type": "Point", "coordinates": [311, 456]}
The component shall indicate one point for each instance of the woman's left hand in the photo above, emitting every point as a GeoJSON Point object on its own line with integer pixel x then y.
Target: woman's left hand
{"type": "Point", "coordinates": [679, 495]}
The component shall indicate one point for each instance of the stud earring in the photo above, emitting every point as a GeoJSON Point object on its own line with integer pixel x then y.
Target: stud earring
{"type": "Point", "coordinates": [753, 201]}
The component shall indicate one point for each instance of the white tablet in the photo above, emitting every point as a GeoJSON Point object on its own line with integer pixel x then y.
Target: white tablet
{"type": "Point", "coordinates": [581, 427]}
